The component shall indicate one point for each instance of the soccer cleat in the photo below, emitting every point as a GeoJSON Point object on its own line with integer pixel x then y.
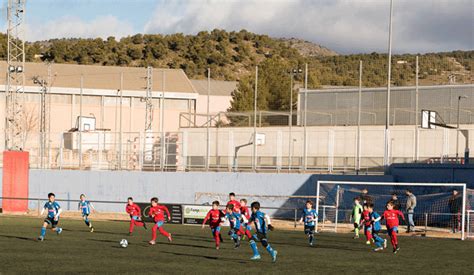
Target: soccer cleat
{"type": "Point", "coordinates": [385, 243]}
{"type": "Point", "coordinates": [367, 242]}
{"type": "Point", "coordinates": [274, 256]}
{"type": "Point", "coordinates": [311, 244]}
{"type": "Point", "coordinates": [378, 249]}
{"type": "Point", "coordinates": [169, 238]}
{"type": "Point", "coordinates": [217, 247]}
{"type": "Point", "coordinates": [255, 257]}
{"type": "Point", "coordinates": [130, 233]}
{"type": "Point", "coordinates": [59, 231]}
{"type": "Point", "coordinates": [395, 250]}
{"type": "Point", "coordinates": [152, 242]}
{"type": "Point", "coordinates": [40, 238]}
{"type": "Point", "coordinates": [92, 229]}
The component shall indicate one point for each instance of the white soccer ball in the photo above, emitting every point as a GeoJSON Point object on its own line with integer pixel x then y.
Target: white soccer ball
{"type": "Point", "coordinates": [123, 243]}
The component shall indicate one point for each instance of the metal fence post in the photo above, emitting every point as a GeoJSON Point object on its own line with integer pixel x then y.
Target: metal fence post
{"type": "Point", "coordinates": [296, 216]}
{"type": "Point", "coordinates": [426, 224]}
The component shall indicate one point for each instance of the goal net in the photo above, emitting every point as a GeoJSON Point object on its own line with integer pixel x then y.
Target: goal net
{"type": "Point", "coordinates": [438, 211]}
{"type": "Point", "coordinates": [281, 208]}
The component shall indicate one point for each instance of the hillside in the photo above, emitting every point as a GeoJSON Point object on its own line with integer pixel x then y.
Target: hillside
{"type": "Point", "coordinates": [233, 55]}
{"type": "Point", "coordinates": [308, 49]}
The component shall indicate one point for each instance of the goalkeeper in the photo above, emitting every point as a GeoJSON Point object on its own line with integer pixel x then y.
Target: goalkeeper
{"type": "Point", "coordinates": [356, 216]}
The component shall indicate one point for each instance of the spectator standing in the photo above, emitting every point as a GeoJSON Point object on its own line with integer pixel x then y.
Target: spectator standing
{"type": "Point", "coordinates": [455, 205]}
{"type": "Point", "coordinates": [395, 202]}
{"type": "Point", "coordinates": [410, 208]}
{"type": "Point", "coordinates": [365, 197]}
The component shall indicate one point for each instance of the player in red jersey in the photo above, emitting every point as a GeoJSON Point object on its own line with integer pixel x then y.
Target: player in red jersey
{"type": "Point", "coordinates": [391, 219]}
{"type": "Point", "coordinates": [245, 211]}
{"type": "Point", "coordinates": [234, 202]}
{"type": "Point", "coordinates": [367, 222]}
{"type": "Point", "coordinates": [157, 212]}
{"type": "Point", "coordinates": [135, 215]}
{"type": "Point", "coordinates": [214, 216]}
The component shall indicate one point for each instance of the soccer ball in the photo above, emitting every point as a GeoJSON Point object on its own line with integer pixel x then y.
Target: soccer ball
{"type": "Point", "coordinates": [124, 243]}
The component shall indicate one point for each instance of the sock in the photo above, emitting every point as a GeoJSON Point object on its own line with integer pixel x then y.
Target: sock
{"type": "Point", "coordinates": [163, 232]}
{"type": "Point", "coordinates": [356, 232]}
{"type": "Point", "coordinates": [132, 224]}
{"type": "Point", "coordinates": [153, 232]}
{"type": "Point", "coordinates": [394, 239]}
{"type": "Point", "coordinates": [43, 231]}
{"type": "Point", "coordinates": [269, 249]}
{"type": "Point", "coordinates": [217, 238]}
{"type": "Point", "coordinates": [311, 238]}
{"type": "Point", "coordinates": [253, 245]}
{"type": "Point", "coordinates": [87, 222]}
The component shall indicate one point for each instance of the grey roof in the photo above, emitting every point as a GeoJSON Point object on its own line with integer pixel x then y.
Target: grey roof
{"type": "Point", "coordinates": [218, 87]}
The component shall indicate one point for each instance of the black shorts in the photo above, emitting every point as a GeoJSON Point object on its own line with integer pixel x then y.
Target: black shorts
{"type": "Point", "coordinates": [259, 236]}
{"type": "Point", "coordinates": [309, 229]}
{"type": "Point", "coordinates": [51, 221]}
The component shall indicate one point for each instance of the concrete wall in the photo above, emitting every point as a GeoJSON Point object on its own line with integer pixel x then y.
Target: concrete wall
{"type": "Point", "coordinates": [169, 187]}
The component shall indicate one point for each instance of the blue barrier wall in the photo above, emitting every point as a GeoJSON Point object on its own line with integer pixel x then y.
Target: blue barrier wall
{"type": "Point", "coordinates": [439, 173]}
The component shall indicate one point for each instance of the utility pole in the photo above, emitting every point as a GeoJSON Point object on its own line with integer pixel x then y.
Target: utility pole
{"type": "Point", "coordinates": [43, 84]}
{"type": "Point", "coordinates": [14, 119]}
{"type": "Point", "coordinates": [148, 99]}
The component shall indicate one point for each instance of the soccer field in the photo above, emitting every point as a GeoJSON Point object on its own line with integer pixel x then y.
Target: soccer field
{"type": "Point", "coordinates": [192, 250]}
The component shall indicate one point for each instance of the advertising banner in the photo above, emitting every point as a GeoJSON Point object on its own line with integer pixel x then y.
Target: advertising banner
{"type": "Point", "coordinates": [175, 212]}
{"type": "Point", "coordinates": [195, 214]}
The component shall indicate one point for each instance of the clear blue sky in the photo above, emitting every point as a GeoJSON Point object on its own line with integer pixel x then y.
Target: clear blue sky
{"type": "Point", "coordinates": [347, 26]}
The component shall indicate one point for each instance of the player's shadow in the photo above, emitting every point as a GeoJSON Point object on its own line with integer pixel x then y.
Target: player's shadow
{"type": "Point", "coordinates": [206, 257]}
{"type": "Point", "coordinates": [18, 238]}
{"type": "Point", "coordinates": [96, 232]}
{"type": "Point", "coordinates": [325, 246]}
{"type": "Point", "coordinates": [195, 238]}
{"type": "Point", "coordinates": [102, 241]}
{"type": "Point", "coordinates": [193, 245]}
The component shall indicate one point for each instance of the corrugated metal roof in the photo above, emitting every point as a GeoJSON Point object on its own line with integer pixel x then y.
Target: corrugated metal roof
{"type": "Point", "coordinates": [218, 87]}
{"type": "Point", "coordinates": [105, 77]}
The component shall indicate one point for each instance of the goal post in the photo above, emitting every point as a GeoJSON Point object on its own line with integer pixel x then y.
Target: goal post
{"type": "Point", "coordinates": [434, 211]}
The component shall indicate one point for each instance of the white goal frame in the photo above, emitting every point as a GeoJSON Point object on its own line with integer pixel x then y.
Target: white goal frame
{"type": "Point", "coordinates": [463, 185]}
{"type": "Point", "coordinates": [470, 234]}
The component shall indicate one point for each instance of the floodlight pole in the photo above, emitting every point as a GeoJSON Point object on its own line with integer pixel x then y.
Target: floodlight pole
{"type": "Point", "coordinates": [457, 127]}
{"type": "Point", "coordinates": [416, 112]}
{"type": "Point", "coordinates": [208, 140]}
{"type": "Point", "coordinates": [305, 151]}
{"type": "Point", "coordinates": [387, 118]}
{"type": "Point", "coordinates": [290, 136]}
{"type": "Point", "coordinates": [255, 121]}
{"type": "Point", "coordinates": [358, 119]}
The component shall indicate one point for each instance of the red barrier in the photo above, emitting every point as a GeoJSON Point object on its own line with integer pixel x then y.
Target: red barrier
{"type": "Point", "coordinates": [15, 180]}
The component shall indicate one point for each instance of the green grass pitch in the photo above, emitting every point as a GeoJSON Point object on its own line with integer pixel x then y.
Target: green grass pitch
{"type": "Point", "coordinates": [78, 250]}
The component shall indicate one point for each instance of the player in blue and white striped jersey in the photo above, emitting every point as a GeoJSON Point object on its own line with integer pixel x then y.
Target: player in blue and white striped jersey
{"type": "Point", "coordinates": [86, 207]}
{"type": "Point", "coordinates": [262, 225]}
{"type": "Point", "coordinates": [54, 210]}
{"type": "Point", "coordinates": [309, 216]}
